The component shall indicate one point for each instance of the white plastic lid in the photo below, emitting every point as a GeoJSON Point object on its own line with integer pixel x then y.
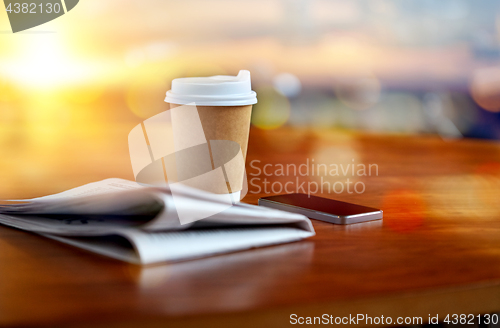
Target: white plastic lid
{"type": "Point", "coordinates": [219, 90]}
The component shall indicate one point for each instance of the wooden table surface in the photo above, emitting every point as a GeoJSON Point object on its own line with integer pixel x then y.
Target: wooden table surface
{"type": "Point", "coordinates": [437, 250]}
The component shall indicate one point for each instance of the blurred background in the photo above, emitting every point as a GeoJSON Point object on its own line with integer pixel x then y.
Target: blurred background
{"type": "Point", "coordinates": [382, 66]}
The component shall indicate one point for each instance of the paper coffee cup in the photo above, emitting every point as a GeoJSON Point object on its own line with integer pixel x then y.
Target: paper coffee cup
{"type": "Point", "coordinates": [224, 107]}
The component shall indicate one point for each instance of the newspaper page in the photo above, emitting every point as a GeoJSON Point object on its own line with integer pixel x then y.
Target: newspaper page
{"type": "Point", "coordinates": [137, 224]}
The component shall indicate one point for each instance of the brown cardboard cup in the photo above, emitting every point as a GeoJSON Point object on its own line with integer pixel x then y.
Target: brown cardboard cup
{"type": "Point", "coordinates": [219, 123]}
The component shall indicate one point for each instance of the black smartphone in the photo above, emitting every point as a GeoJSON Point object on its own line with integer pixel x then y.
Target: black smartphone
{"type": "Point", "coordinates": [323, 209]}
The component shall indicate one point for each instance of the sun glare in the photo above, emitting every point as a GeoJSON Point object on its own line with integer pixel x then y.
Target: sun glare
{"type": "Point", "coordinates": [44, 62]}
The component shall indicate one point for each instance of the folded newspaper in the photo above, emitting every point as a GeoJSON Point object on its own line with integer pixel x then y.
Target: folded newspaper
{"type": "Point", "coordinates": [133, 223]}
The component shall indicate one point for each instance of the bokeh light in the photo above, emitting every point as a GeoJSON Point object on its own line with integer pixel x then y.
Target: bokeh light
{"type": "Point", "coordinates": [439, 111]}
{"type": "Point", "coordinates": [313, 108]}
{"type": "Point", "coordinates": [288, 84]}
{"type": "Point", "coordinates": [485, 88]}
{"type": "Point", "coordinates": [359, 92]}
{"type": "Point", "coordinates": [471, 192]}
{"type": "Point", "coordinates": [384, 67]}
{"type": "Point", "coordinates": [272, 110]}
{"type": "Point", "coordinates": [395, 112]}
{"type": "Point", "coordinates": [340, 155]}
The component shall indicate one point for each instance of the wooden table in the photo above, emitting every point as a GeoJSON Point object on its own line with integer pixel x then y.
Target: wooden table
{"type": "Point", "coordinates": [437, 251]}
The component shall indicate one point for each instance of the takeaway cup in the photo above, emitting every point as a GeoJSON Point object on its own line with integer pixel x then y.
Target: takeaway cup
{"type": "Point", "coordinates": [223, 105]}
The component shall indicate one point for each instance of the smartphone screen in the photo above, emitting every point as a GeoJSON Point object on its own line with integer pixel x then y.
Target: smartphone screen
{"type": "Point", "coordinates": [323, 209]}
